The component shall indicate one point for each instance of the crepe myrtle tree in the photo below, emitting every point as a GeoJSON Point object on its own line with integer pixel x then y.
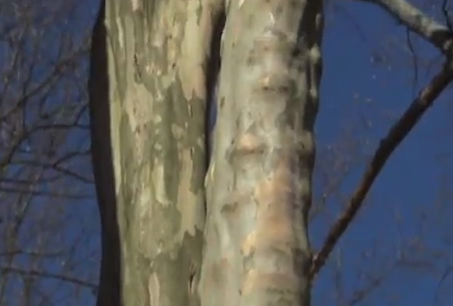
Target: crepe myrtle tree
{"type": "Point", "coordinates": [181, 226]}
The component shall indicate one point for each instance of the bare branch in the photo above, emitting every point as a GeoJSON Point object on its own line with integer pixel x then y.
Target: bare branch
{"type": "Point", "coordinates": [386, 147]}
{"type": "Point", "coordinates": [51, 275]}
{"type": "Point", "coordinates": [418, 22]}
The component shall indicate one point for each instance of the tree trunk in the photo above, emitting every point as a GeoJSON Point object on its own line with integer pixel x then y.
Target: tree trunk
{"type": "Point", "coordinates": [256, 249]}
{"type": "Point", "coordinates": [259, 182]}
{"type": "Point", "coordinates": [156, 57]}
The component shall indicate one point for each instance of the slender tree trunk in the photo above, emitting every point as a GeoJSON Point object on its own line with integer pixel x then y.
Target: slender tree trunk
{"type": "Point", "coordinates": [259, 182]}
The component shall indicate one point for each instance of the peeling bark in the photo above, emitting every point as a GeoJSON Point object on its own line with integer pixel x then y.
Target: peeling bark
{"type": "Point", "coordinates": [259, 182]}
{"type": "Point", "coordinates": [156, 56]}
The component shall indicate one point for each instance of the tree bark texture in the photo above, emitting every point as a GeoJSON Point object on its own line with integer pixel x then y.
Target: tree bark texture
{"type": "Point", "coordinates": [255, 242]}
{"type": "Point", "coordinates": [259, 185]}
{"type": "Point", "coordinates": [157, 53]}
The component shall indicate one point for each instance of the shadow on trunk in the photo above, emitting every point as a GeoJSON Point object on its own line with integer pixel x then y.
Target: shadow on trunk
{"type": "Point", "coordinates": [109, 292]}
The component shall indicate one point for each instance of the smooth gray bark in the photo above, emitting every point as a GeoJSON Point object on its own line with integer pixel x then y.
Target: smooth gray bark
{"type": "Point", "coordinates": [259, 182]}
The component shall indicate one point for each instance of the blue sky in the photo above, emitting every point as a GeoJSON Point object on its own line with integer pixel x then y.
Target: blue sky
{"type": "Point", "coordinates": [358, 96]}
{"type": "Point", "coordinates": [368, 81]}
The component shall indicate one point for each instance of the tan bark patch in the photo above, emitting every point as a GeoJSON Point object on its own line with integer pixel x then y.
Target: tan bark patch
{"type": "Point", "coordinates": [154, 289]}
{"type": "Point", "coordinates": [254, 280]}
{"type": "Point", "coordinates": [187, 199]}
